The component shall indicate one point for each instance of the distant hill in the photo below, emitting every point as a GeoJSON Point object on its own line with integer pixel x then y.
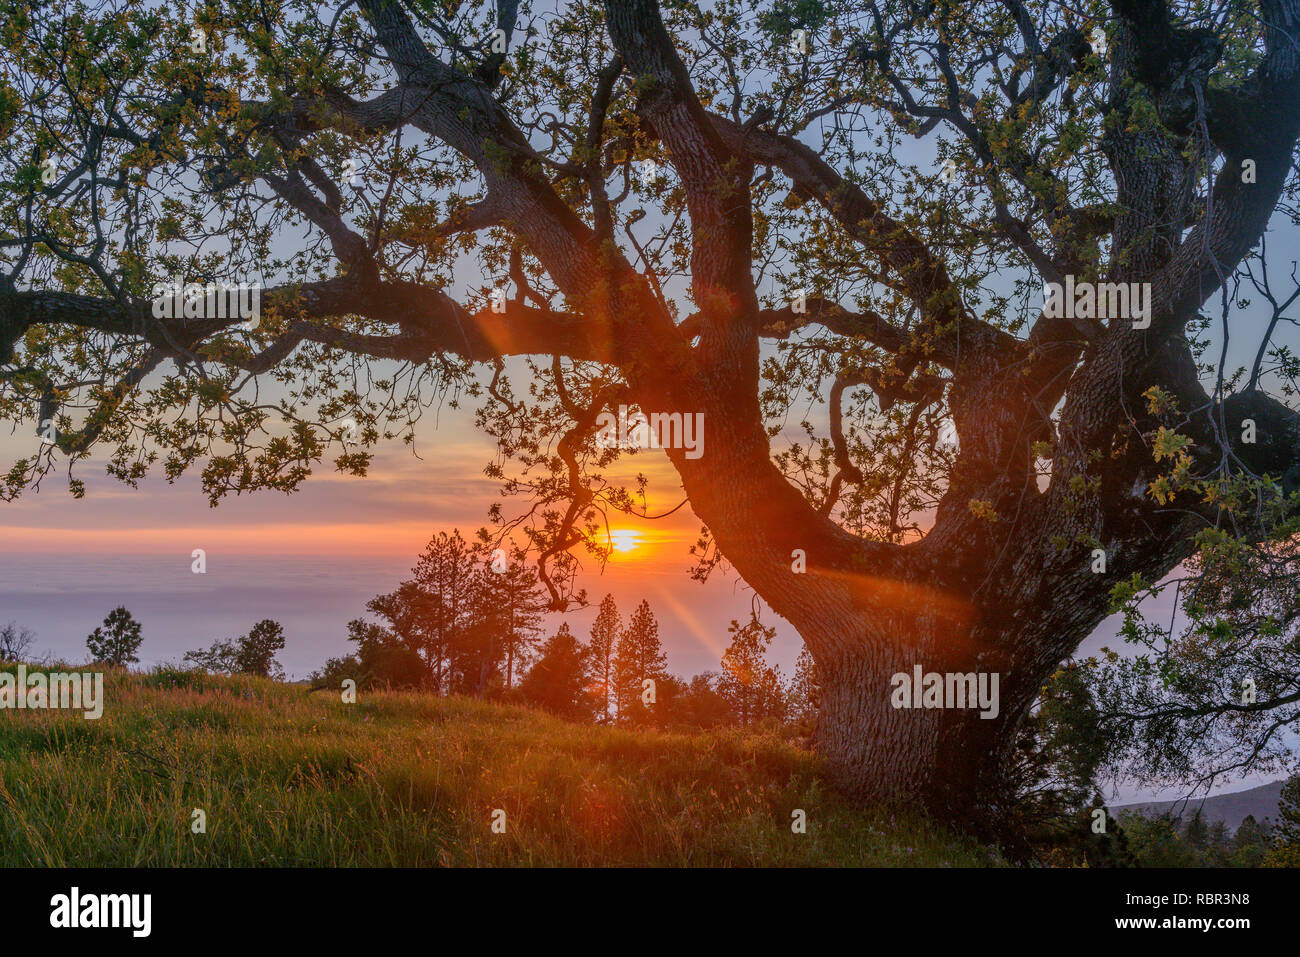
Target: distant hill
{"type": "Point", "coordinates": [1231, 809]}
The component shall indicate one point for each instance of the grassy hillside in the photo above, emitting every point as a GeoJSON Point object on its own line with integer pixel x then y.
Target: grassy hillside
{"type": "Point", "coordinates": [290, 777]}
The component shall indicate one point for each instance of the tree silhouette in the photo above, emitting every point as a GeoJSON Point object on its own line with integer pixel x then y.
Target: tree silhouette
{"type": "Point", "coordinates": [748, 684]}
{"type": "Point", "coordinates": [600, 651]}
{"type": "Point", "coordinates": [805, 689]}
{"type": "Point", "coordinates": [117, 640]}
{"type": "Point", "coordinates": [557, 680]}
{"type": "Point", "coordinates": [708, 215]}
{"type": "Point", "coordinates": [430, 614]}
{"type": "Point", "coordinates": [221, 657]}
{"type": "Point", "coordinates": [638, 656]}
{"type": "Point", "coordinates": [15, 641]}
{"type": "Point", "coordinates": [436, 605]}
{"type": "Point", "coordinates": [380, 661]}
{"type": "Point", "coordinates": [512, 601]}
{"type": "Point", "coordinates": [255, 652]}
{"type": "Point", "coordinates": [1251, 842]}
{"type": "Point", "coordinates": [249, 654]}
{"type": "Point", "coordinates": [1285, 851]}
{"type": "Point", "coordinates": [471, 616]}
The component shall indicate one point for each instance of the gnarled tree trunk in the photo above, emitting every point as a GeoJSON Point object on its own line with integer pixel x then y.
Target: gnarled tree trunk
{"type": "Point", "coordinates": [1001, 582]}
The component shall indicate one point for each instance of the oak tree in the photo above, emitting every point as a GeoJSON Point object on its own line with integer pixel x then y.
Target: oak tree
{"type": "Point", "coordinates": [824, 227]}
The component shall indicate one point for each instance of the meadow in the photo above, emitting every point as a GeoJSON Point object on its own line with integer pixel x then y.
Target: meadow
{"type": "Point", "coordinates": [286, 776]}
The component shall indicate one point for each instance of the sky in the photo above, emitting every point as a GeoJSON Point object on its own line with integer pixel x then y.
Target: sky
{"type": "Point", "coordinates": [312, 559]}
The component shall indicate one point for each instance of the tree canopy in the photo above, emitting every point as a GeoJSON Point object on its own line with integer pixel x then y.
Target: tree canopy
{"type": "Point", "coordinates": [950, 285]}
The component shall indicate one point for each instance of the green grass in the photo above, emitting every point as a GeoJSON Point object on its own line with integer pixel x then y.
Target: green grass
{"type": "Point", "coordinates": [290, 777]}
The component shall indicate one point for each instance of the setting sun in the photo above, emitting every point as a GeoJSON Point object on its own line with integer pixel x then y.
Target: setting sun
{"type": "Point", "coordinates": [624, 539]}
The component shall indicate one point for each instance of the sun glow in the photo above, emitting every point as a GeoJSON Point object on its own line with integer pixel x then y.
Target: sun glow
{"type": "Point", "coordinates": [624, 539]}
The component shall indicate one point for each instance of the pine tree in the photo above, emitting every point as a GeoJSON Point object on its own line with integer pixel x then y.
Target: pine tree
{"type": "Point", "coordinates": [1218, 845]}
{"type": "Point", "coordinates": [429, 614]}
{"type": "Point", "coordinates": [1287, 826]}
{"type": "Point", "coordinates": [513, 601]}
{"type": "Point", "coordinates": [805, 692]}
{"type": "Point", "coordinates": [1251, 842]}
{"type": "Point", "coordinates": [407, 616]}
{"type": "Point", "coordinates": [440, 605]}
{"type": "Point", "coordinates": [750, 687]}
{"type": "Point", "coordinates": [117, 640]}
{"type": "Point", "coordinates": [639, 656]}
{"type": "Point", "coordinates": [1285, 851]}
{"type": "Point", "coordinates": [600, 653]}
{"type": "Point", "coordinates": [700, 705]}
{"type": "Point", "coordinates": [1196, 832]}
{"type": "Point", "coordinates": [557, 681]}
{"type": "Point", "coordinates": [474, 658]}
